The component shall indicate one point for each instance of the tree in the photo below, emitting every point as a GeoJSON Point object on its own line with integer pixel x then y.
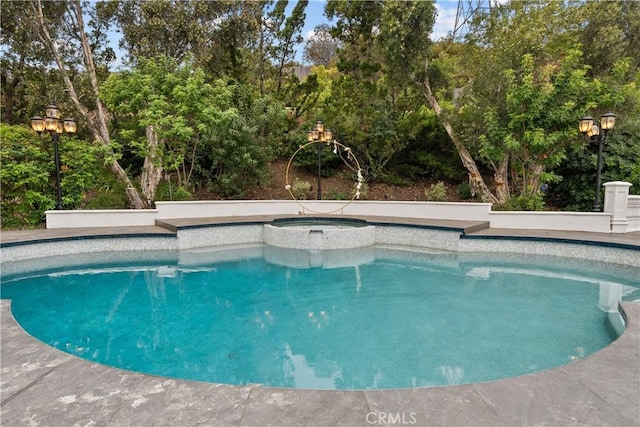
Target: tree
{"type": "Point", "coordinates": [213, 33]}
{"type": "Point", "coordinates": [183, 125]}
{"type": "Point", "coordinates": [511, 98]}
{"type": "Point", "coordinates": [404, 39]}
{"type": "Point", "coordinates": [288, 36]}
{"type": "Point", "coordinates": [367, 102]}
{"type": "Point", "coordinates": [321, 48]}
{"type": "Point", "coordinates": [611, 32]}
{"type": "Point", "coordinates": [20, 58]}
{"type": "Point", "coordinates": [89, 104]}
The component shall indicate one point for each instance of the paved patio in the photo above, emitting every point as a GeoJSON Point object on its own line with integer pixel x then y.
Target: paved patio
{"type": "Point", "coordinates": [44, 386]}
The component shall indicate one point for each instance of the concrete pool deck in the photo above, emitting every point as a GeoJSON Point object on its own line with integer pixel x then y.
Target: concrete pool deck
{"type": "Point", "coordinates": [40, 385]}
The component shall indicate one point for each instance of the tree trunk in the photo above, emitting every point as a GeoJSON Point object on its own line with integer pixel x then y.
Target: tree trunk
{"type": "Point", "coordinates": [532, 184]}
{"type": "Point", "coordinates": [501, 179]}
{"type": "Point", "coordinates": [97, 122]}
{"type": "Point", "coordinates": [152, 169]}
{"type": "Point", "coordinates": [478, 186]}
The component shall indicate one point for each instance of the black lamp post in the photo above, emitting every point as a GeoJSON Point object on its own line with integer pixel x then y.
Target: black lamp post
{"type": "Point", "coordinates": [597, 135]}
{"type": "Point", "coordinates": [52, 124]}
{"type": "Point", "coordinates": [318, 135]}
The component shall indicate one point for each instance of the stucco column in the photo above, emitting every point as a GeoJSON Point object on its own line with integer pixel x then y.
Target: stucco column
{"type": "Point", "coordinates": [615, 203]}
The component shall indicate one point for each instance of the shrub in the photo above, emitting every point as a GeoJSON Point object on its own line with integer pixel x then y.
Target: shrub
{"type": "Point", "coordinates": [334, 194]}
{"type": "Point", "coordinates": [522, 203]}
{"type": "Point", "coordinates": [109, 193]}
{"type": "Point", "coordinates": [167, 192]}
{"type": "Point", "coordinates": [436, 192]}
{"type": "Point", "coordinates": [464, 191]}
{"type": "Point", "coordinates": [28, 174]}
{"type": "Point", "coordinates": [300, 189]}
{"type": "Point", "coordinates": [26, 187]}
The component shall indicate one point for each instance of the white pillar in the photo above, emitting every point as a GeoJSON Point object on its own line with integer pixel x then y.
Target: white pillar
{"type": "Point", "coordinates": [615, 203]}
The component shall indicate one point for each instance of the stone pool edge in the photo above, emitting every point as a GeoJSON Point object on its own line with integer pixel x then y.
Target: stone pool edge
{"type": "Point", "coordinates": [46, 386]}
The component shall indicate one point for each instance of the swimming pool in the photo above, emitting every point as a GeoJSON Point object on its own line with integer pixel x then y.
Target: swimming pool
{"type": "Point", "coordinates": [377, 318]}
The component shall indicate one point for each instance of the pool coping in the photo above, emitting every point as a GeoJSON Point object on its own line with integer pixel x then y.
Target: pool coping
{"type": "Point", "coordinates": [479, 230]}
{"type": "Point", "coordinates": [41, 384]}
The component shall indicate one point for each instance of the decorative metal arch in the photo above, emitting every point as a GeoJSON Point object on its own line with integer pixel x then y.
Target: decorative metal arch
{"type": "Point", "coordinates": [350, 156]}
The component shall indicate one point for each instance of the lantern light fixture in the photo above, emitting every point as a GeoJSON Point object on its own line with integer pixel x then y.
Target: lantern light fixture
{"type": "Point", "coordinates": [55, 127]}
{"type": "Point", "coordinates": [597, 135]}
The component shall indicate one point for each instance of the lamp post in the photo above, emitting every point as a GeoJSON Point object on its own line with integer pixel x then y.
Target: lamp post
{"type": "Point", "coordinates": [597, 134]}
{"type": "Point", "coordinates": [52, 124]}
{"type": "Point", "coordinates": [318, 135]}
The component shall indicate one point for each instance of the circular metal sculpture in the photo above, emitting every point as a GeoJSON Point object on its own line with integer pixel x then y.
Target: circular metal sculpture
{"type": "Point", "coordinates": [342, 151]}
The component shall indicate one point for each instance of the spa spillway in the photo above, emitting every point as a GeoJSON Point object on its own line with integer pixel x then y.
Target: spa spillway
{"type": "Point", "coordinates": [319, 233]}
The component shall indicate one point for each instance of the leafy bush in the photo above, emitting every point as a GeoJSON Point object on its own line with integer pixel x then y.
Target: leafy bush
{"type": "Point", "coordinates": [464, 191]}
{"type": "Point", "coordinates": [169, 191]}
{"type": "Point", "coordinates": [301, 189]}
{"type": "Point", "coordinates": [109, 193]}
{"type": "Point", "coordinates": [181, 194]}
{"type": "Point", "coordinates": [620, 157]}
{"type": "Point", "coordinates": [28, 174]}
{"type": "Point", "coordinates": [436, 192]}
{"type": "Point", "coordinates": [334, 194]}
{"type": "Point", "coordinates": [522, 203]}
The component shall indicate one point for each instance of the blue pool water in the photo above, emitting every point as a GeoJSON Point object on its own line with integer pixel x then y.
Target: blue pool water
{"type": "Point", "coordinates": [393, 319]}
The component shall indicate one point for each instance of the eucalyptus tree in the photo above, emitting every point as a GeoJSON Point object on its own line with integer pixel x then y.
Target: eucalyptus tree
{"type": "Point", "coordinates": [510, 96]}
{"type": "Point", "coordinates": [288, 36]}
{"type": "Point", "coordinates": [60, 29]}
{"type": "Point", "coordinates": [321, 48]}
{"type": "Point", "coordinates": [22, 61]}
{"type": "Point", "coordinates": [215, 33]}
{"type": "Point", "coordinates": [362, 101]}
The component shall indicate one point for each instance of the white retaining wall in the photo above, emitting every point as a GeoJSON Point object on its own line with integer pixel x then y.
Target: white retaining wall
{"type": "Point", "coordinates": [240, 208]}
{"type": "Point", "coordinates": [101, 218]}
{"type": "Point", "coordinates": [574, 221]}
{"type": "Point", "coordinates": [621, 213]}
{"type": "Point", "coordinates": [568, 221]}
{"type": "Point", "coordinates": [401, 209]}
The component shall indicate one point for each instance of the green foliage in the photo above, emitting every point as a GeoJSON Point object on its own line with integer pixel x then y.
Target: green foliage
{"type": "Point", "coordinates": [169, 191]}
{"type": "Point", "coordinates": [532, 202]}
{"type": "Point", "coordinates": [28, 174]}
{"type": "Point", "coordinates": [436, 192]}
{"type": "Point", "coordinates": [107, 193]}
{"type": "Point", "coordinates": [25, 176]}
{"type": "Point", "coordinates": [428, 152]}
{"type": "Point", "coordinates": [181, 194]}
{"type": "Point", "coordinates": [395, 179]}
{"type": "Point", "coordinates": [220, 131]}
{"type": "Point", "coordinates": [301, 189]}
{"type": "Point", "coordinates": [576, 190]}
{"type": "Point", "coordinates": [334, 194]}
{"type": "Point", "coordinates": [211, 80]}
{"type": "Point", "coordinates": [464, 191]}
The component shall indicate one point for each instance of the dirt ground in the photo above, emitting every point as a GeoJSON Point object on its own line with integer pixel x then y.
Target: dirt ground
{"type": "Point", "coordinates": [340, 182]}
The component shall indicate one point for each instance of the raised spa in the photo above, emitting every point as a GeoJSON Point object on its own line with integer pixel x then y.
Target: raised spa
{"type": "Point", "coordinates": [319, 233]}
